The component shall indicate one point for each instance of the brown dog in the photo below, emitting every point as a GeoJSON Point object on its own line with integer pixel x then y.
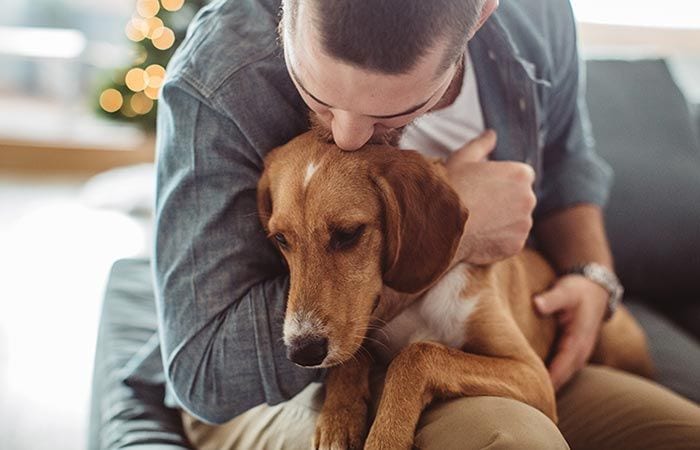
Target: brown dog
{"type": "Point", "coordinates": [351, 224]}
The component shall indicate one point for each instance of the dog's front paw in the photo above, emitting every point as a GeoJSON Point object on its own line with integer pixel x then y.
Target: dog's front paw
{"type": "Point", "coordinates": [339, 430]}
{"type": "Point", "coordinates": [388, 440]}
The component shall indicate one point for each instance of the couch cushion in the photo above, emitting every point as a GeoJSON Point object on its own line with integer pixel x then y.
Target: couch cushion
{"type": "Point", "coordinates": [129, 415]}
{"type": "Point", "coordinates": [676, 355]}
{"type": "Point", "coordinates": [643, 128]}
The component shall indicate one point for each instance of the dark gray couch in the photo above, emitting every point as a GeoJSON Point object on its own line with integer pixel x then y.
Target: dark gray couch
{"type": "Point", "coordinates": [643, 128]}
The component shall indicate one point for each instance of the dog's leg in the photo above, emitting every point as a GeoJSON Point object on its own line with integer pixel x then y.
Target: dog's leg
{"type": "Point", "coordinates": [342, 423]}
{"type": "Point", "coordinates": [623, 345]}
{"type": "Point", "coordinates": [424, 371]}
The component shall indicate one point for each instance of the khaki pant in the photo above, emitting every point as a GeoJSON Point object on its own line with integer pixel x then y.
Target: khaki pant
{"type": "Point", "coordinates": [599, 409]}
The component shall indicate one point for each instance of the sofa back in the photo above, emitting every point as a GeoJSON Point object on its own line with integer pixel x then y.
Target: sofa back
{"type": "Point", "coordinates": [644, 129]}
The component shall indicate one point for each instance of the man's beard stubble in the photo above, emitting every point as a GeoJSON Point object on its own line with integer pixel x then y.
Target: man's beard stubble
{"type": "Point", "coordinates": [390, 137]}
{"type": "Point", "coordinates": [393, 135]}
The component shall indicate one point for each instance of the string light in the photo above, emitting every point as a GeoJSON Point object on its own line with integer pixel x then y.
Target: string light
{"type": "Point", "coordinates": [172, 5]}
{"type": "Point", "coordinates": [126, 109]}
{"type": "Point", "coordinates": [153, 24]}
{"type": "Point", "coordinates": [136, 29]}
{"type": "Point", "coordinates": [152, 92]}
{"type": "Point", "coordinates": [140, 103]}
{"type": "Point", "coordinates": [138, 88]}
{"type": "Point", "coordinates": [111, 100]}
{"type": "Point", "coordinates": [147, 8]}
{"type": "Point", "coordinates": [156, 74]}
{"type": "Point", "coordinates": [163, 38]}
{"type": "Point", "coordinates": [136, 79]}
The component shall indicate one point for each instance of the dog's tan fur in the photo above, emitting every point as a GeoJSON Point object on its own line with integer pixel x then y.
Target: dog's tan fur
{"type": "Point", "coordinates": [413, 223]}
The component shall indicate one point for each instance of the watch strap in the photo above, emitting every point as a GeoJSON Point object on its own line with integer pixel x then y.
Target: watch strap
{"type": "Point", "coordinates": [605, 278]}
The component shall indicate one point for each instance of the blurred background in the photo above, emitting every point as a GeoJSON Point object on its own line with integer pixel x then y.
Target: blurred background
{"type": "Point", "coordinates": [79, 85]}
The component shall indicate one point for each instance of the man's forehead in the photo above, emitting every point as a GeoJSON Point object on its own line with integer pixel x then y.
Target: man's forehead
{"type": "Point", "coordinates": [339, 85]}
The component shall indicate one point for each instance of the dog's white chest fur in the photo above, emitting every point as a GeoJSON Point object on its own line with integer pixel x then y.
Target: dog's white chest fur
{"type": "Point", "coordinates": [441, 315]}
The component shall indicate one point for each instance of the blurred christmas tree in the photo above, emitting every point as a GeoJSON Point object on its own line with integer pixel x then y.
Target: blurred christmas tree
{"type": "Point", "coordinates": [156, 28]}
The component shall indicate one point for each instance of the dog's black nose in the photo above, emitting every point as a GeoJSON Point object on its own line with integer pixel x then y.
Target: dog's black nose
{"type": "Point", "coordinates": [309, 351]}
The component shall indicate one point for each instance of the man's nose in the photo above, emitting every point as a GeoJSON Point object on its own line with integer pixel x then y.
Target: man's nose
{"type": "Point", "coordinates": [350, 131]}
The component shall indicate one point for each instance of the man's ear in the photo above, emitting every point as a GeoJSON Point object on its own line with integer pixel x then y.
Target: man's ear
{"type": "Point", "coordinates": [489, 7]}
{"type": "Point", "coordinates": [423, 219]}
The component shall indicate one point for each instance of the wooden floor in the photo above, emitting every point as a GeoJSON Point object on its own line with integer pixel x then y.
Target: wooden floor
{"type": "Point", "coordinates": [55, 253]}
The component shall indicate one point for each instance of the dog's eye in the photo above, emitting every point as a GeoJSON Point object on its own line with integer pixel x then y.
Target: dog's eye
{"type": "Point", "coordinates": [281, 240]}
{"type": "Point", "coordinates": [344, 239]}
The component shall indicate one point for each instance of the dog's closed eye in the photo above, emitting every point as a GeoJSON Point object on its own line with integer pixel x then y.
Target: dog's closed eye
{"type": "Point", "coordinates": [343, 239]}
{"type": "Point", "coordinates": [281, 241]}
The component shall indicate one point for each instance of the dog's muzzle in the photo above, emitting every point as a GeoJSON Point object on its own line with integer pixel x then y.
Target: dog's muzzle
{"type": "Point", "coordinates": [308, 351]}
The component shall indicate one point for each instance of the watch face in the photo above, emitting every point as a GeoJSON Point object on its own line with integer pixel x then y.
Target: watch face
{"type": "Point", "coordinates": [607, 279]}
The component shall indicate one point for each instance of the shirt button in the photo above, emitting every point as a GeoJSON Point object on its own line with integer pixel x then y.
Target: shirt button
{"type": "Point", "coordinates": [522, 104]}
{"type": "Point", "coordinates": [492, 55]}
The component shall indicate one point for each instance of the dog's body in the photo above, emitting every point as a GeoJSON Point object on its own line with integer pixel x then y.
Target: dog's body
{"type": "Point", "coordinates": [349, 223]}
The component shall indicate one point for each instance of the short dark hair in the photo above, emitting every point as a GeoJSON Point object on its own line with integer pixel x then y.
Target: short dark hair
{"type": "Point", "coordinates": [390, 36]}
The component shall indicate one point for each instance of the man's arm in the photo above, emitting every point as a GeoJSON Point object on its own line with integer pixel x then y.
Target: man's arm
{"type": "Point", "coordinates": [573, 236]}
{"type": "Point", "coordinates": [220, 286]}
{"type": "Point", "coordinates": [570, 237]}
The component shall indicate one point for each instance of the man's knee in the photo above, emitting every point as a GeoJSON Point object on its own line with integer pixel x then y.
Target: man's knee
{"type": "Point", "coordinates": [480, 422]}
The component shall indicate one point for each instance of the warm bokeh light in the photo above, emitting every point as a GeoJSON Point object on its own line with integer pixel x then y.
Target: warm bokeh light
{"type": "Point", "coordinates": [147, 8]}
{"type": "Point", "coordinates": [111, 100]}
{"type": "Point", "coordinates": [153, 24]}
{"type": "Point", "coordinates": [140, 103]}
{"type": "Point", "coordinates": [156, 74]}
{"type": "Point", "coordinates": [163, 38]}
{"type": "Point", "coordinates": [136, 79]}
{"type": "Point", "coordinates": [126, 109]}
{"type": "Point", "coordinates": [172, 5]}
{"type": "Point", "coordinates": [136, 29]}
{"type": "Point", "coordinates": [152, 92]}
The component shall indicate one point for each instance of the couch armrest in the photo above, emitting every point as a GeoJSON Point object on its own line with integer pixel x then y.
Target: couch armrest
{"type": "Point", "coordinates": [129, 415]}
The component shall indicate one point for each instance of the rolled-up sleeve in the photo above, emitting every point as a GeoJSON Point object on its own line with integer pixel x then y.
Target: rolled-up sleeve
{"type": "Point", "coordinates": [220, 286]}
{"type": "Point", "coordinates": [573, 172]}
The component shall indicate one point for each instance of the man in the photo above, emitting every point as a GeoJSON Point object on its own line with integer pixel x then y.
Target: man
{"type": "Point", "coordinates": [366, 69]}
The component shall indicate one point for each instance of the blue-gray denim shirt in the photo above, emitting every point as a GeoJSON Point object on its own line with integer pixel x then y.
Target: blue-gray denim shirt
{"type": "Point", "coordinates": [228, 100]}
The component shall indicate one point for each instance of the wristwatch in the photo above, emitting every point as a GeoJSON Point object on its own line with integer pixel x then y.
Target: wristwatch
{"type": "Point", "coordinates": [604, 277]}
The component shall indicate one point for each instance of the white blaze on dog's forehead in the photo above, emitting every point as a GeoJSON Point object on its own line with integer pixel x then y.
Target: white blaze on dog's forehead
{"type": "Point", "coordinates": [310, 171]}
{"type": "Point", "coordinates": [301, 324]}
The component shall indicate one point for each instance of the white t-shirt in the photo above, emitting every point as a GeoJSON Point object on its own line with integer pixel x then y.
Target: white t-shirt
{"type": "Point", "coordinates": [438, 133]}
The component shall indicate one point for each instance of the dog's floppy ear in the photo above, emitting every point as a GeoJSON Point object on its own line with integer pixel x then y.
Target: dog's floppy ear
{"type": "Point", "coordinates": [264, 197]}
{"type": "Point", "coordinates": [423, 219]}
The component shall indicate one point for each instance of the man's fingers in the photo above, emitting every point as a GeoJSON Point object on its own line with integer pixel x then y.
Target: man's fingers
{"type": "Point", "coordinates": [566, 361]}
{"type": "Point", "coordinates": [477, 149]}
{"type": "Point", "coordinates": [552, 301]}
{"type": "Point", "coordinates": [573, 351]}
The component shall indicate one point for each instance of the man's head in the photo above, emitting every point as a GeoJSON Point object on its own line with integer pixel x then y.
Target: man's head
{"type": "Point", "coordinates": [369, 67]}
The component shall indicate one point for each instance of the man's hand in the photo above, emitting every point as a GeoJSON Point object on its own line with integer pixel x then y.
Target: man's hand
{"type": "Point", "coordinates": [580, 305]}
{"type": "Point", "coordinates": [499, 197]}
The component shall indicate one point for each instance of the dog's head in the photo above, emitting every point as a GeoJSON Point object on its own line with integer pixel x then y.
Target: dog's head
{"type": "Point", "coordinates": [347, 223]}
